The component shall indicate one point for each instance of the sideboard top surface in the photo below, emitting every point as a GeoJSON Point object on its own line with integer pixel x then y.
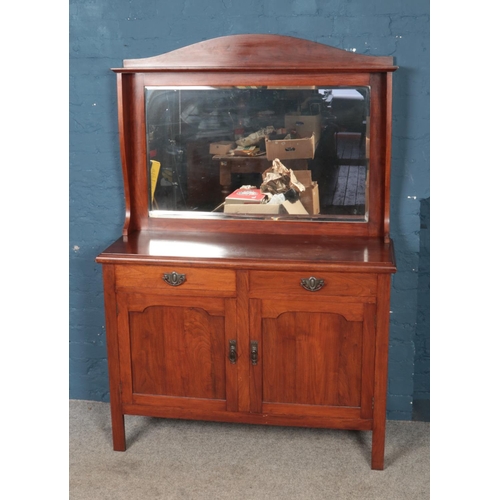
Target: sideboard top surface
{"type": "Point", "coordinates": [278, 252]}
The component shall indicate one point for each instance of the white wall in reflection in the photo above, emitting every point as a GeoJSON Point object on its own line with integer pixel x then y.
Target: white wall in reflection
{"type": "Point", "coordinates": [186, 249]}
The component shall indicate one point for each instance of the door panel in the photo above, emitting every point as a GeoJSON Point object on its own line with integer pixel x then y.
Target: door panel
{"type": "Point", "coordinates": [174, 354]}
{"type": "Point", "coordinates": [312, 359]}
{"type": "Point", "coordinates": [177, 351]}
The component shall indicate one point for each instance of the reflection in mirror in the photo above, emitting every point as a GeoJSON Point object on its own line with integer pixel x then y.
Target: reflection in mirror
{"type": "Point", "coordinates": [294, 152]}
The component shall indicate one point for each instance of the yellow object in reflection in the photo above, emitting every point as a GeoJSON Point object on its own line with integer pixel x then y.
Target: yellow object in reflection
{"type": "Point", "coordinates": [155, 170]}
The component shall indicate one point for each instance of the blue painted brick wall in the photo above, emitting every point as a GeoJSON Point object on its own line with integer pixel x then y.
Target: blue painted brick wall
{"type": "Point", "coordinates": [104, 32]}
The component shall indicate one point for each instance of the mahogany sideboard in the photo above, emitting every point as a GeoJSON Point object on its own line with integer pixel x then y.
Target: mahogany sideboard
{"type": "Point", "coordinates": [256, 318]}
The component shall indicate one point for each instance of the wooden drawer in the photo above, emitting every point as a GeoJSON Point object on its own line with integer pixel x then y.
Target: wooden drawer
{"type": "Point", "coordinates": [186, 280]}
{"type": "Point", "coordinates": [312, 284]}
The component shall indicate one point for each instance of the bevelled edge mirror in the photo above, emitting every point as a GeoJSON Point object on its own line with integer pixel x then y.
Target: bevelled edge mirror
{"type": "Point", "coordinates": [294, 153]}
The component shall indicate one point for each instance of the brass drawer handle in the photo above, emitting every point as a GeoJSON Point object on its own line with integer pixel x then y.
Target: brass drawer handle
{"type": "Point", "coordinates": [174, 279]}
{"type": "Point", "coordinates": [312, 284]}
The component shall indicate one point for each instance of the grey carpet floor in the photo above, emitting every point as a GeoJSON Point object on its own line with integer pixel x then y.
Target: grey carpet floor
{"type": "Point", "coordinates": [174, 459]}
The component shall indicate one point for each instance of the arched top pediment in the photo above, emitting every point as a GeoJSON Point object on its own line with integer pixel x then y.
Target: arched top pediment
{"type": "Point", "coordinates": [260, 53]}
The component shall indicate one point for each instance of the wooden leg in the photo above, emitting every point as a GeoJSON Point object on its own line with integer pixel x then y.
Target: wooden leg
{"type": "Point", "coordinates": [378, 444]}
{"type": "Point", "coordinates": [118, 429]}
{"type": "Point", "coordinates": [381, 366]}
{"type": "Point", "coordinates": [117, 419]}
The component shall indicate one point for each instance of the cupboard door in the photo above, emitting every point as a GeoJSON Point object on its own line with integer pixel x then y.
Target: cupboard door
{"type": "Point", "coordinates": [174, 352]}
{"type": "Point", "coordinates": [313, 358]}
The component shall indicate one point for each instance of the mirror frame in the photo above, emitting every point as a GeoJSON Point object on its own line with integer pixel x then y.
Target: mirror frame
{"type": "Point", "coordinates": [254, 60]}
